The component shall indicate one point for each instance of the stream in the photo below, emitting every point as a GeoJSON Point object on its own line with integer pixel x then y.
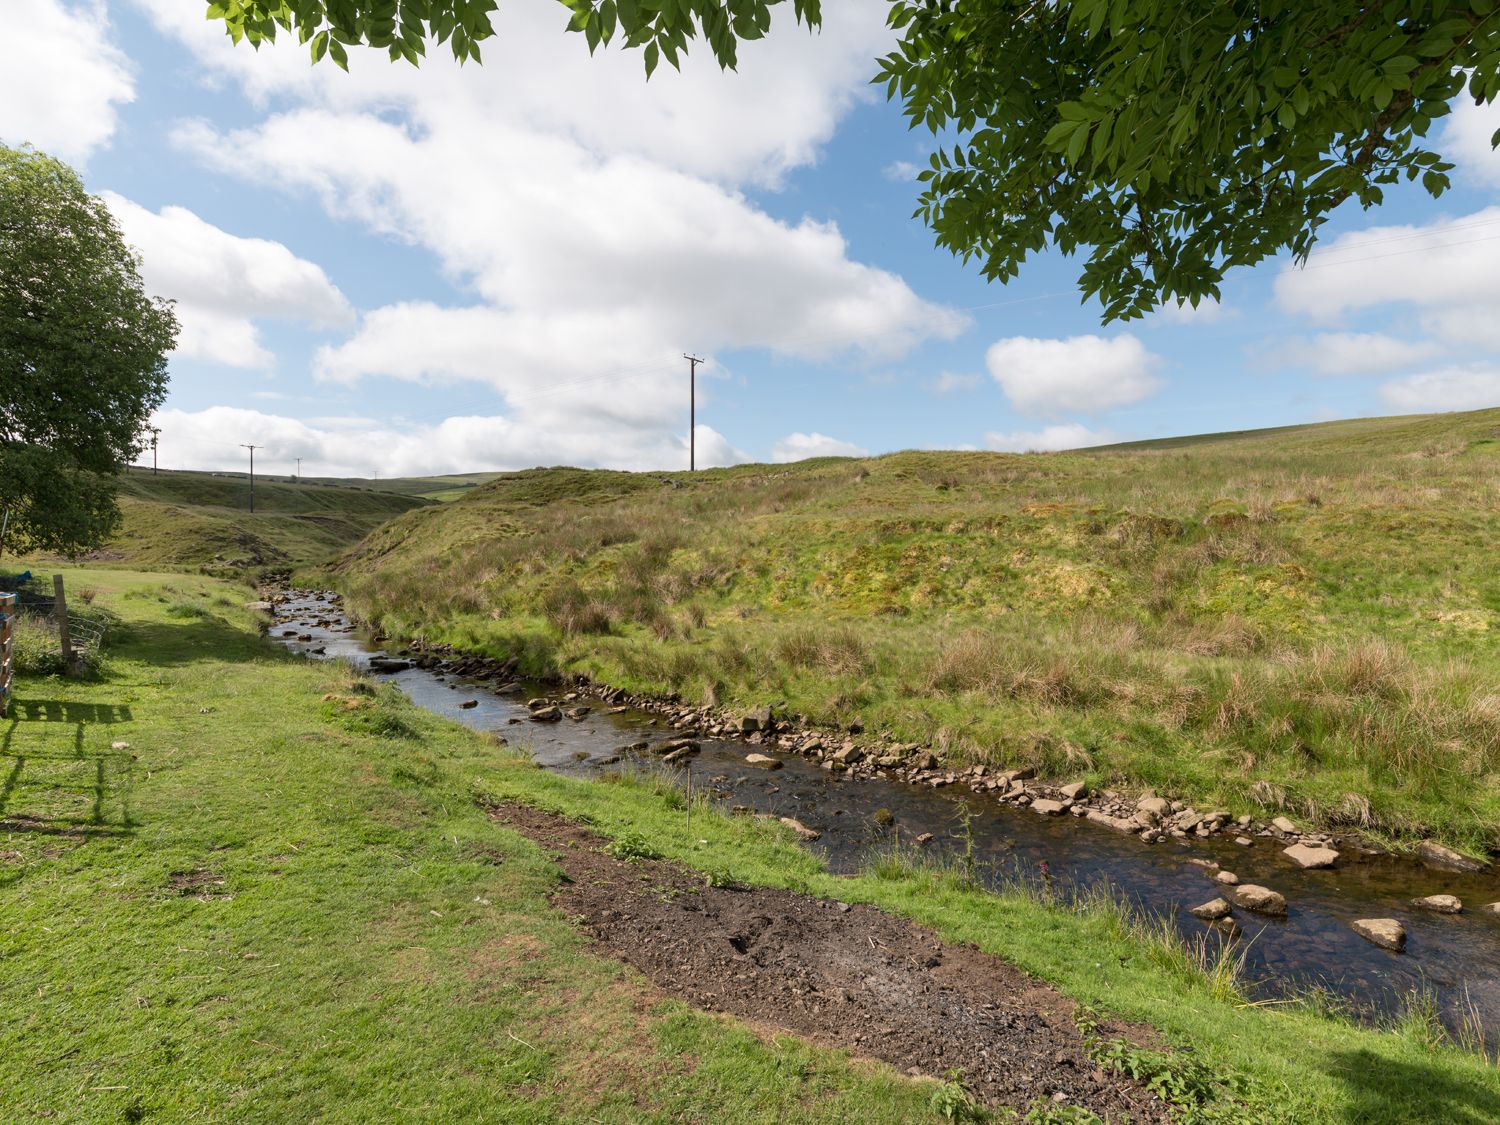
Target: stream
{"type": "Point", "coordinates": [1455, 957]}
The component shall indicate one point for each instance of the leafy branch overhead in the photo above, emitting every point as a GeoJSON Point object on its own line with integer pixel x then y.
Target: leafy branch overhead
{"type": "Point", "coordinates": [1168, 142]}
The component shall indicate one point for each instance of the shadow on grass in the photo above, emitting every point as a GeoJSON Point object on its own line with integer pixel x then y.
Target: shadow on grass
{"type": "Point", "coordinates": [1381, 1091]}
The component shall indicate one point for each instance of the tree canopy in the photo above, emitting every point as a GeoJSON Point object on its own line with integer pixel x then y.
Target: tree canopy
{"type": "Point", "coordinates": [82, 356]}
{"type": "Point", "coordinates": [1168, 142]}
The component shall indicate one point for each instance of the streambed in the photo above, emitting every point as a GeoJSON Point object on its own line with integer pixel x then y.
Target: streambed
{"type": "Point", "coordinates": [1454, 957]}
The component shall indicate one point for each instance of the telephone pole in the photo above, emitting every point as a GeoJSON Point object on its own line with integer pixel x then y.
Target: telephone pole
{"type": "Point", "coordinates": [154, 434]}
{"type": "Point", "coordinates": [299, 470]}
{"type": "Point", "coordinates": [252, 449]}
{"type": "Point", "coordinates": [693, 362]}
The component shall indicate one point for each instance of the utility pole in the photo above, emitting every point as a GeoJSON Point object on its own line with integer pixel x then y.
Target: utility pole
{"type": "Point", "coordinates": [693, 362]}
{"type": "Point", "coordinates": [154, 434]}
{"type": "Point", "coordinates": [252, 449]}
{"type": "Point", "coordinates": [299, 470]}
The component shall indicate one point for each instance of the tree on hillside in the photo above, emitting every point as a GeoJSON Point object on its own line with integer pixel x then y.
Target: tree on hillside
{"type": "Point", "coordinates": [1167, 141]}
{"type": "Point", "coordinates": [82, 356]}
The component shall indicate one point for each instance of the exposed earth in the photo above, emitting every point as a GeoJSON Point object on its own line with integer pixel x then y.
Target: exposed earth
{"type": "Point", "coordinates": [844, 975]}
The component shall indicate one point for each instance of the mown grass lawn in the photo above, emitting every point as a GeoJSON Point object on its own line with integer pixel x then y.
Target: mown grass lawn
{"type": "Point", "coordinates": [283, 902]}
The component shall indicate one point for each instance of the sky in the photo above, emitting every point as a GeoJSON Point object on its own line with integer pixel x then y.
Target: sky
{"type": "Point", "coordinates": [403, 271]}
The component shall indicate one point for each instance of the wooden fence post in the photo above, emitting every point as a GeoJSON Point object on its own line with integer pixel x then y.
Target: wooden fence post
{"type": "Point", "coordinates": [60, 607]}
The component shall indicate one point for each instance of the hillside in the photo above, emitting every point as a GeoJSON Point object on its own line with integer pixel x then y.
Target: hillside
{"type": "Point", "coordinates": [1299, 619]}
{"type": "Point", "coordinates": [191, 519]}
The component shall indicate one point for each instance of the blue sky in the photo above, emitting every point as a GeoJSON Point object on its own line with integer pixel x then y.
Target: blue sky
{"type": "Point", "coordinates": [402, 272]}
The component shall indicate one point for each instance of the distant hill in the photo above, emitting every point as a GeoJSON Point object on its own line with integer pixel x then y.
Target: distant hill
{"type": "Point", "coordinates": [1300, 618]}
{"type": "Point", "coordinates": [203, 521]}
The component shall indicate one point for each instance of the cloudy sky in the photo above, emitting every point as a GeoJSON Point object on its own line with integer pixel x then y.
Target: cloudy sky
{"type": "Point", "coordinates": [397, 272]}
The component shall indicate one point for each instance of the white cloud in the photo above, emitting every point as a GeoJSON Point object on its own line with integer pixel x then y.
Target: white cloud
{"type": "Point", "coordinates": [773, 113]}
{"type": "Point", "coordinates": [901, 171]}
{"type": "Point", "coordinates": [222, 283]}
{"type": "Point", "coordinates": [951, 381]}
{"type": "Point", "coordinates": [599, 231]}
{"type": "Point", "coordinates": [1207, 311]}
{"type": "Point", "coordinates": [60, 77]}
{"type": "Point", "coordinates": [1448, 269]}
{"type": "Point", "coordinates": [1449, 388]}
{"type": "Point", "coordinates": [1049, 439]}
{"type": "Point", "coordinates": [1465, 140]}
{"type": "Point", "coordinates": [210, 439]}
{"type": "Point", "coordinates": [1355, 353]}
{"type": "Point", "coordinates": [799, 447]}
{"type": "Point", "coordinates": [1088, 374]}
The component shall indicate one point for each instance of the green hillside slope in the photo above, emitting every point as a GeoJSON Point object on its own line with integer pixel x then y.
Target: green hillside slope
{"type": "Point", "coordinates": [203, 520]}
{"type": "Point", "coordinates": [1301, 619]}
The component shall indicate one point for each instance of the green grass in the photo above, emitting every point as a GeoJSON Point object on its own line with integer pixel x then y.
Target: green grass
{"type": "Point", "coordinates": [262, 911]}
{"type": "Point", "coordinates": [282, 902]}
{"type": "Point", "coordinates": [1295, 620]}
{"type": "Point", "coordinates": [191, 520]}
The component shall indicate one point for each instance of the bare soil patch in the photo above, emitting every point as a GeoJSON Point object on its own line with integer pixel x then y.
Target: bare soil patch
{"type": "Point", "coordinates": [843, 975]}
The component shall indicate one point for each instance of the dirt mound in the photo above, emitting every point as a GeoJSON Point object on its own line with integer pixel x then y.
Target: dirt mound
{"type": "Point", "coordinates": [843, 975]}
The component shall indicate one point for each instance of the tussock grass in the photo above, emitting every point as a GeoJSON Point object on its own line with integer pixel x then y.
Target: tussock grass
{"type": "Point", "coordinates": [1300, 619]}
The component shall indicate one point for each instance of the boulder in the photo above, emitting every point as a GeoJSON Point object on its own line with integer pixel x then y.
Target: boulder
{"type": "Point", "coordinates": [468, 705]}
{"type": "Point", "coordinates": [1260, 899]}
{"type": "Point", "coordinates": [1439, 904]}
{"type": "Point", "coordinates": [1118, 823]}
{"type": "Point", "coordinates": [756, 719]}
{"type": "Point", "coordinates": [1047, 808]}
{"type": "Point", "coordinates": [1153, 806]}
{"type": "Point", "coordinates": [1305, 856]}
{"type": "Point", "coordinates": [1384, 932]}
{"type": "Point", "coordinates": [538, 704]}
{"type": "Point", "coordinates": [681, 754]}
{"type": "Point", "coordinates": [576, 713]}
{"type": "Point", "coordinates": [1436, 855]}
{"type": "Point", "coordinates": [672, 745]}
{"type": "Point", "coordinates": [1228, 878]}
{"type": "Point", "coordinates": [848, 755]}
{"type": "Point", "coordinates": [764, 760]}
{"type": "Point", "coordinates": [548, 714]}
{"type": "Point", "coordinates": [1076, 791]}
{"type": "Point", "coordinates": [1212, 910]}
{"type": "Point", "coordinates": [1491, 908]}
{"type": "Point", "coordinates": [1284, 826]}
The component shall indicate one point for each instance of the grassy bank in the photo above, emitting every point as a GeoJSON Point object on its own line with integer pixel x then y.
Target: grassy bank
{"type": "Point", "coordinates": [1300, 620]}
{"type": "Point", "coordinates": [282, 902]}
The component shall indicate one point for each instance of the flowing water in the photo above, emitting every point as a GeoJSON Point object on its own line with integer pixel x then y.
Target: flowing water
{"type": "Point", "coordinates": [1456, 958]}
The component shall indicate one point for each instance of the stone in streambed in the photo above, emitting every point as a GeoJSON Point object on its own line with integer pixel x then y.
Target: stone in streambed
{"type": "Point", "coordinates": [1384, 932]}
{"type": "Point", "coordinates": [1491, 908]}
{"type": "Point", "coordinates": [1212, 910]}
{"type": "Point", "coordinates": [1304, 856]}
{"type": "Point", "coordinates": [550, 714]}
{"type": "Point", "coordinates": [1228, 878]}
{"type": "Point", "coordinates": [764, 760]}
{"type": "Point", "coordinates": [1436, 855]}
{"type": "Point", "coordinates": [1076, 791]}
{"type": "Point", "coordinates": [1046, 807]}
{"type": "Point", "coordinates": [468, 704]}
{"type": "Point", "coordinates": [1260, 899]}
{"type": "Point", "coordinates": [1284, 826]}
{"type": "Point", "coordinates": [1439, 904]}
{"type": "Point", "coordinates": [803, 831]}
